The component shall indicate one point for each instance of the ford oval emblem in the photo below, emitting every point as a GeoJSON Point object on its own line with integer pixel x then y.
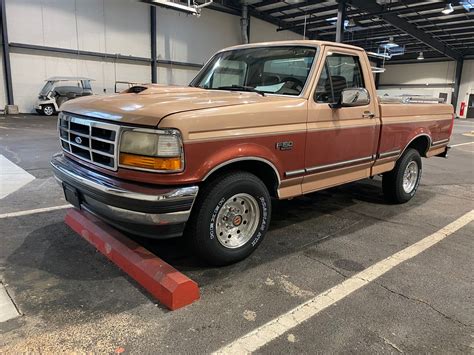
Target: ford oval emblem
{"type": "Point", "coordinates": [78, 140]}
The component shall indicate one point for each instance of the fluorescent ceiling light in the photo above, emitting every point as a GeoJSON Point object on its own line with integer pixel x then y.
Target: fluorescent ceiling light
{"type": "Point", "coordinates": [468, 5]}
{"type": "Point", "coordinates": [389, 44]}
{"type": "Point", "coordinates": [351, 23]}
{"type": "Point", "coordinates": [448, 9]}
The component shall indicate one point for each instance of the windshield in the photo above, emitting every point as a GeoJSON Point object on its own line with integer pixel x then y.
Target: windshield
{"type": "Point", "coordinates": [276, 70]}
{"type": "Point", "coordinates": [46, 88]}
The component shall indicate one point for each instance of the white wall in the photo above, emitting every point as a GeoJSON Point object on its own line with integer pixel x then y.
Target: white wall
{"type": "Point", "coordinates": [261, 31]}
{"type": "Point", "coordinates": [467, 84]}
{"type": "Point", "coordinates": [28, 83]}
{"type": "Point", "coordinates": [192, 39]}
{"type": "Point", "coordinates": [115, 27]}
{"type": "Point", "coordinates": [425, 74]}
{"type": "Point", "coordinates": [105, 26]}
{"type": "Point", "coordinates": [420, 74]}
{"type": "Point", "coordinates": [110, 26]}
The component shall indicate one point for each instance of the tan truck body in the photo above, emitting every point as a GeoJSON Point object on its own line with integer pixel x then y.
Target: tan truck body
{"type": "Point", "coordinates": [294, 144]}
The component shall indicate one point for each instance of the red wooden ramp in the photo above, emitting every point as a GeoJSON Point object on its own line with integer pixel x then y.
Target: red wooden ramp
{"type": "Point", "coordinates": [165, 283]}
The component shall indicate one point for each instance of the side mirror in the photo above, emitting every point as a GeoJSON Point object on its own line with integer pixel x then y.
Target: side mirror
{"type": "Point", "coordinates": [352, 97]}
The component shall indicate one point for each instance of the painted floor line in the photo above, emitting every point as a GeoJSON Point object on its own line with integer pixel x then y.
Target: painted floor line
{"type": "Point", "coordinates": [37, 210]}
{"type": "Point", "coordinates": [7, 307]}
{"type": "Point", "coordinates": [460, 144]}
{"type": "Point", "coordinates": [12, 177]}
{"type": "Point", "coordinates": [278, 326]}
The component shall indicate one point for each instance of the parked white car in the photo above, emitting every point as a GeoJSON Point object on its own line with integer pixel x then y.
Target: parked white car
{"type": "Point", "coordinates": [59, 89]}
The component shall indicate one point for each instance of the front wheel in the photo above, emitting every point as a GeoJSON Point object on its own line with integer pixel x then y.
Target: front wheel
{"type": "Point", "coordinates": [400, 184]}
{"type": "Point", "coordinates": [230, 218]}
{"type": "Point", "coordinates": [48, 110]}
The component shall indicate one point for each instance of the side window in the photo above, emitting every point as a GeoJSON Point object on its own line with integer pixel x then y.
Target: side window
{"type": "Point", "coordinates": [340, 71]}
{"type": "Point", "coordinates": [323, 92]}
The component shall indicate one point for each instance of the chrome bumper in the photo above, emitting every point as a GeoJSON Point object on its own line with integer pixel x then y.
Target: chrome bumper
{"type": "Point", "coordinates": [156, 212]}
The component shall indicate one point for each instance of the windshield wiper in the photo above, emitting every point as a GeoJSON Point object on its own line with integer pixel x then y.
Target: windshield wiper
{"type": "Point", "coordinates": [240, 88]}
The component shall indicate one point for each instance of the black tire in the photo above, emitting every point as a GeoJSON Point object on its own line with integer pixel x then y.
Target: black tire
{"type": "Point", "coordinates": [392, 182]}
{"type": "Point", "coordinates": [202, 229]}
{"type": "Point", "coordinates": [48, 110]}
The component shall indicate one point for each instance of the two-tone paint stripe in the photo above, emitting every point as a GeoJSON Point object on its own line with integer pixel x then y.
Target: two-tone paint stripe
{"type": "Point", "coordinates": [389, 154]}
{"type": "Point", "coordinates": [440, 142]}
{"type": "Point", "coordinates": [325, 167]}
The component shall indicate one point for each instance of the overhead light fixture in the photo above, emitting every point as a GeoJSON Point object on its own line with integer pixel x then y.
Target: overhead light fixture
{"type": "Point", "coordinates": [351, 23]}
{"type": "Point", "coordinates": [421, 56]}
{"type": "Point", "coordinates": [292, 2]}
{"type": "Point", "coordinates": [448, 9]}
{"type": "Point", "coordinates": [389, 44]}
{"type": "Point", "coordinates": [468, 5]}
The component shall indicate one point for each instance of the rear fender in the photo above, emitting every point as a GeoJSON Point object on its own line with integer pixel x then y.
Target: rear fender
{"type": "Point", "coordinates": [419, 132]}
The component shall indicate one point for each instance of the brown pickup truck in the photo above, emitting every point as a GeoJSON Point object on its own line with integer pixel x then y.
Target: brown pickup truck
{"type": "Point", "coordinates": [278, 119]}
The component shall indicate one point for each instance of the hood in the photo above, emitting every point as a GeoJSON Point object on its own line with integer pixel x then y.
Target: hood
{"type": "Point", "coordinates": [146, 105]}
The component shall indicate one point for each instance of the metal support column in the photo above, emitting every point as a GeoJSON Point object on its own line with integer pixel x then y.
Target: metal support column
{"type": "Point", "coordinates": [341, 17]}
{"type": "Point", "coordinates": [244, 21]}
{"type": "Point", "coordinates": [6, 55]}
{"type": "Point", "coordinates": [154, 78]}
{"type": "Point", "coordinates": [457, 83]}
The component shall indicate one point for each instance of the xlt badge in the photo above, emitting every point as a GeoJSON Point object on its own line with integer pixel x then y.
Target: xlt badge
{"type": "Point", "coordinates": [285, 145]}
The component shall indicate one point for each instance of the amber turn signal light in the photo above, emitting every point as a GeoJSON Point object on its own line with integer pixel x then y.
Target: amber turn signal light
{"type": "Point", "coordinates": [152, 163]}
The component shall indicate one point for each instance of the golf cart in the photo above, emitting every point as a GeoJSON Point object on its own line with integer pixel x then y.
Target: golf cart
{"type": "Point", "coordinates": [59, 89]}
{"type": "Point", "coordinates": [124, 85]}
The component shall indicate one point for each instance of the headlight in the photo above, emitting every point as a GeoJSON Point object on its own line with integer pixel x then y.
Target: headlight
{"type": "Point", "coordinates": [155, 150]}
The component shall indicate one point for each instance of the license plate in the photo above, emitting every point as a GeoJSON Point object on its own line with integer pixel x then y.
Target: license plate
{"type": "Point", "coordinates": [72, 195]}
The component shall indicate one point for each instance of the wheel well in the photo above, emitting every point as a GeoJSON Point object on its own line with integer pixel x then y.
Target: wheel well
{"type": "Point", "coordinates": [421, 144]}
{"type": "Point", "coordinates": [262, 170]}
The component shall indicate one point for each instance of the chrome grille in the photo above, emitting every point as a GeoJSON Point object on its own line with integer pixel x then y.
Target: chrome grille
{"type": "Point", "coordinates": [89, 140]}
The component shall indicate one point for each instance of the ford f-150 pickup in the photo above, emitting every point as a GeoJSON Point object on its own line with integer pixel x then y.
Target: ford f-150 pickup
{"type": "Point", "coordinates": [259, 121]}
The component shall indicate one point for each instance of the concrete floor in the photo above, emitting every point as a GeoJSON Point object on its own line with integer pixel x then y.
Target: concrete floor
{"type": "Point", "coordinates": [73, 299]}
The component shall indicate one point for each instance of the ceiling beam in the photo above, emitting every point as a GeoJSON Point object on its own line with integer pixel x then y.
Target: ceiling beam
{"type": "Point", "coordinates": [266, 3]}
{"type": "Point", "coordinates": [297, 6]}
{"type": "Point", "coordinates": [457, 28]}
{"type": "Point", "coordinates": [409, 14]}
{"type": "Point", "coordinates": [371, 6]}
{"type": "Point", "coordinates": [331, 8]}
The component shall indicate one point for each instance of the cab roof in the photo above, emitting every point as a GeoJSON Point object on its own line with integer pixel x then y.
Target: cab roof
{"type": "Point", "coordinates": [67, 78]}
{"type": "Point", "coordinates": [302, 42]}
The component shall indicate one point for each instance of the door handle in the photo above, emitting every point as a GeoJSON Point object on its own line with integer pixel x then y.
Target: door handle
{"type": "Point", "coordinates": [368, 114]}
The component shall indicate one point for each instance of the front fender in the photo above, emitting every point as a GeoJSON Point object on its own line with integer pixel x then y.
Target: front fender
{"type": "Point", "coordinates": [240, 152]}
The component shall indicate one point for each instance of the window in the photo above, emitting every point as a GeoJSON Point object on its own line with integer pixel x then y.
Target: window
{"type": "Point", "coordinates": [226, 73]}
{"type": "Point", "coordinates": [273, 69]}
{"type": "Point", "coordinates": [291, 70]}
{"type": "Point", "coordinates": [340, 71]}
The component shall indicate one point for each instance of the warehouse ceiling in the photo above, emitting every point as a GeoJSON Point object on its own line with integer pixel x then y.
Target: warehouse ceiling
{"type": "Point", "coordinates": [419, 26]}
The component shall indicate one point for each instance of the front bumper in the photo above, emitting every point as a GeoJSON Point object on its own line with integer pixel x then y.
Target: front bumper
{"type": "Point", "coordinates": [141, 209]}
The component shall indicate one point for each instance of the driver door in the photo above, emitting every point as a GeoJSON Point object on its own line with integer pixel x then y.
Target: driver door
{"type": "Point", "coordinates": [341, 142]}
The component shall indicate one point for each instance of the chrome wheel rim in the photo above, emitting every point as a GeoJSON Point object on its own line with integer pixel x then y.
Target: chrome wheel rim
{"type": "Point", "coordinates": [410, 177]}
{"type": "Point", "coordinates": [237, 220]}
{"type": "Point", "coordinates": [48, 110]}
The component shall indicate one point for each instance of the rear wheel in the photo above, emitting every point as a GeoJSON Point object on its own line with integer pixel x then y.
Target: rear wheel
{"type": "Point", "coordinates": [48, 110]}
{"type": "Point", "coordinates": [230, 218]}
{"type": "Point", "coordinates": [400, 184]}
